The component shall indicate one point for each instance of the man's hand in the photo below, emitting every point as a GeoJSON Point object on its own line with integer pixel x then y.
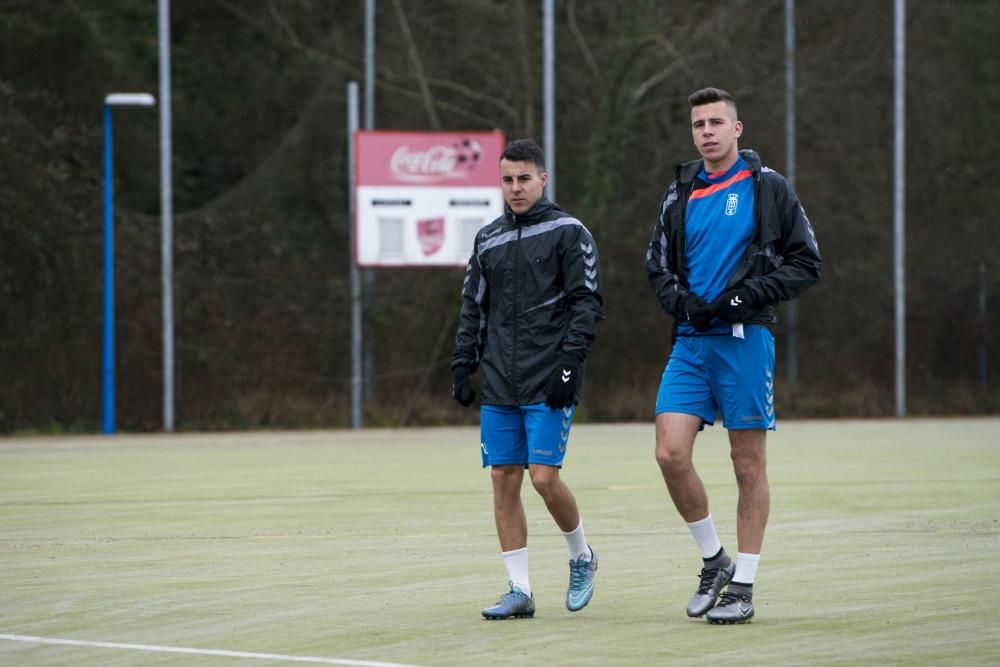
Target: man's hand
{"type": "Point", "coordinates": [561, 390]}
{"type": "Point", "coordinates": [735, 305]}
{"type": "Point", "coordinates": [698, 313]}
{"type": "Point", "coordinates": [461, 385]}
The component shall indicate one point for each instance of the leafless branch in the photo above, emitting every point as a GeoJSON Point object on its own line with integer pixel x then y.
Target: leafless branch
{"type": "Point", "coordinates": [418, 67]}
{"type": "Point", "coordinates": [474, 117]}
{"type": "Point", "coordinates": [501, 105]}
{"type": "Point", "coordinates": [581, 41]}
{"type": "Point", "coordinates": [343, 65]}
{"type": "Point", "coordinates": [526, 63]}
{"type": "Point", "coordinates": [284, 24]}
{"type": "Point", "coordinates": [678, 62]}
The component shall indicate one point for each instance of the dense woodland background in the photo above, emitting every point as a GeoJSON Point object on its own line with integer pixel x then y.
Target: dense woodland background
{"type": "Point", "coordinates": [261, 255]}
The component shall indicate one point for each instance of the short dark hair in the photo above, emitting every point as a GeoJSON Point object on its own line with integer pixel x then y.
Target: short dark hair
{"type": "Point", "coordinates": [710, 96]}
{"type": "Point", "coordinates": [524, 150]}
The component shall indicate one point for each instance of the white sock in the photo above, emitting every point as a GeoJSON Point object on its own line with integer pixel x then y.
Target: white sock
{"type": "Point", "coordinates": [706, 537]}
{"type": "Point", "coordinates": [746, 568]}
{"type": "Point", "coordinates": [516, 563]}
{"type": "Point", "coordinates": [577, 544]}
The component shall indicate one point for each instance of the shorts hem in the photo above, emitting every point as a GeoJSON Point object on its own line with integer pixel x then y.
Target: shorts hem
{"type": "Point", "coordinates": [749, 427]}
{"type": "Point", "coordinates": [490, 464]}
{"type": "Point", "coordinates": [706, 422]}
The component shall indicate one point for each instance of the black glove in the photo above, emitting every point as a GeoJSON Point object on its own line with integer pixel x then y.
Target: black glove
{"type": "Point", "coordinates": [735, 305]}
{"type": "Point", "coordinates": [561, 390]}
{"type": "Point", "coordinates": [461, 385]}
{"type": "Point", "coordinates": [698, 313]}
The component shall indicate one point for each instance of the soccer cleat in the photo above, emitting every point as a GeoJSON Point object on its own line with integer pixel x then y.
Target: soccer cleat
{"type": "Point", "coordinates": [713, 580]}
{"type": "Point", "coordinates": [514, 604]}
{"type": "Point", "coordinates": [732, 608]}
{"type": "Point", "coordinates": [581, 581]}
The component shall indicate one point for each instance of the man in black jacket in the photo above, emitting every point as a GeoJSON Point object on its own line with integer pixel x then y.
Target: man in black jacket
{"type": "Point", "coordinates": [731, 241]}
{"type": "Point", "coordinates": [531, 301]}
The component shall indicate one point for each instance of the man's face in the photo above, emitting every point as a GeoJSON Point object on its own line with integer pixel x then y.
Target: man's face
{"type": "Point", "coordinates": [523, 183]}
{"type": "Point", "coordinates": [715, 131]}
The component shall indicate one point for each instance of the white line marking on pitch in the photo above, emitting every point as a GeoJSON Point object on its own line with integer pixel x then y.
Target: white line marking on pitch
{"type": "Point", "coordinates": [204, 651]}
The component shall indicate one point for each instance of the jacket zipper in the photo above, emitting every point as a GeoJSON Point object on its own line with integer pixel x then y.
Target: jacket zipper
{"type": "Point", "coordinates": [682, 239]}
{"type": "Point", "coordinates": [517, 291]}
{"type": "Point", "coordinates": [746, 264]}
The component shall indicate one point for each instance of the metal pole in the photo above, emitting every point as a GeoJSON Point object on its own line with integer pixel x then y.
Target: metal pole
{"type": "Point", "coordinates": [984, 377]}
{"type": "Point", "coordinates": [369, 64]}
{"type": "Point", "coordinates": [166, 216]}
{"type": "Point", "coordinates": [792, 359]}
{"type": "Point", "coordinates": [549, 86]}
{"type": "Point", "coordinates": [369, 274]}
{"type": "Point", "coordinates": [108, 351]}
{"type": "Point", "coordinates": [899, 204]}
{"type": "Point", "coordinates": [352, 129]}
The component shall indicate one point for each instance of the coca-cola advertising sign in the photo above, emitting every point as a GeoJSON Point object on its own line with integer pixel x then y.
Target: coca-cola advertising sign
{"type": "Point", "coordinates": [424, 158]}
{"type": "Point", "coordinates": [422, 197]}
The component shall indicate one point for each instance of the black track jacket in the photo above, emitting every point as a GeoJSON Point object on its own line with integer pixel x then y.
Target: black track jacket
{"type": "Point", "coordinates": [531, 296]}
{"type": "Point", "coordinates": [781, 262]}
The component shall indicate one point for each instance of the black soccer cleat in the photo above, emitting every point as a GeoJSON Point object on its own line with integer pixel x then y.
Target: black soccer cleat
{"type": "Point", "coordinates": [732, 608]}
{"type": "Point", "coordinates": [713, 580]}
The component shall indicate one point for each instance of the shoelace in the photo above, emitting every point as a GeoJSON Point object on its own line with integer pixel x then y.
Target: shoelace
{"type": "Point", "coordinates": [514, 595]}
{"type": "Point", "coordinates": [707, 580]}
{"type": "Point", "coordinates": [577, 574]}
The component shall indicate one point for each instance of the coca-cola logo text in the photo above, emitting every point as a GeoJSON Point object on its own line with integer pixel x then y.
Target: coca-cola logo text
{"type": "Point", "coordinates": [437, 163]}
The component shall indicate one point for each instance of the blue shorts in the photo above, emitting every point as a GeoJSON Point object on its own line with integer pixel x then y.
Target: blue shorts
{"type": "Point", "coordinates": [523, 435]}
{"type": "Point", "coordinates": [734, 377]}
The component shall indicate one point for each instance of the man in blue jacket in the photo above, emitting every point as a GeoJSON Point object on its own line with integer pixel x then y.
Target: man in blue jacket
{"type": "Point", "coordinates": [731, 241]}
{"type": "Point", "coordinates": [531, 301]}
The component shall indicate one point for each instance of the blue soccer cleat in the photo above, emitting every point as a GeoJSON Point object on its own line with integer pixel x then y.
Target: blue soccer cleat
{"type": "Point", "coordinates": [581, 581]}
{"type": "Point", "coordinates": [514, 604]}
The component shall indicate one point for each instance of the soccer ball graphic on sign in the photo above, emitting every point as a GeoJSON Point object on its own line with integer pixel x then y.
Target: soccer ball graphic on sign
{"type": "Point", "coordinates": [467, 153]}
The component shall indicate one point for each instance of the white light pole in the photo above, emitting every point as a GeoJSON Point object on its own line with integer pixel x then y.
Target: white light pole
{"type": "Point", "coordinates": [112, 100]}
{"type": "Point", "coordinates": [355, 275]}
{"type": "Point", "coordinates": [549, 94]}
{"type": "Point", "coordinates": [793, 306]}
{"type": "Point", "coordinates": [899, 201]}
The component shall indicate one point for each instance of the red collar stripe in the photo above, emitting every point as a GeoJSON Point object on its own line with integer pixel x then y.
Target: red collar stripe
{"type": "Point", "coordinates": [704, 192]}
